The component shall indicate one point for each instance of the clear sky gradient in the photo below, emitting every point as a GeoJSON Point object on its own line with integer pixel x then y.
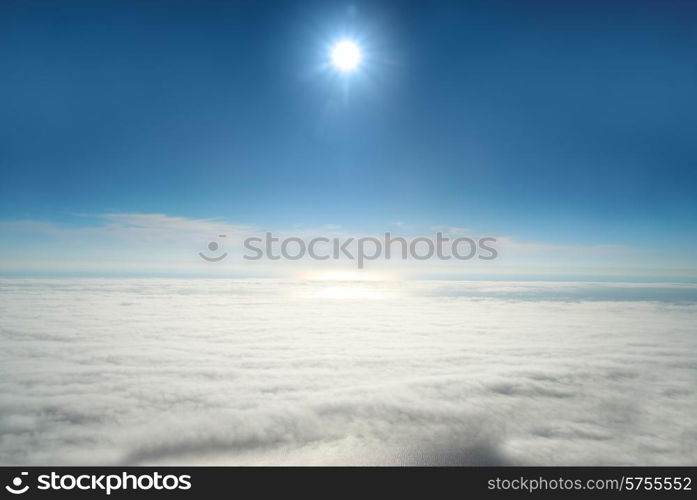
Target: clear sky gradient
{"type": "Point", "coordinates": [562, 123]}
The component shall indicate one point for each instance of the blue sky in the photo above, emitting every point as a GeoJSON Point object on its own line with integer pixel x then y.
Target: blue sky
{"type": "Point", "coordinates": [556, 123]}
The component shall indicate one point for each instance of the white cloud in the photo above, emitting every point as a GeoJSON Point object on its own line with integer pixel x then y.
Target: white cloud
{"type": "Point", "coordinates": [159, 244]}
{"type": "Point", "coordinates": [228, 371]}
{"type": "Point", "coordinates": [159, 228]}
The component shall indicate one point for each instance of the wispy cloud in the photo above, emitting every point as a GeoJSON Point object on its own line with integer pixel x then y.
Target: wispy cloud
{"type": "Point", "coordinates": [136, 242]}
{"type": "Point", "coordinates": [128, 227]}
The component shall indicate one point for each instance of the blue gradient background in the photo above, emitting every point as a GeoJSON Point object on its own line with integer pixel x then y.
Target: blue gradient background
{"type": "Point", "coordinates": [561, 122]}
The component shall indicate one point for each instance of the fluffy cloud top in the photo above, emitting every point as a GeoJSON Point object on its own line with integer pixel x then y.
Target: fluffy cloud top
{"type": "Point", "coordinates": [274, 372]}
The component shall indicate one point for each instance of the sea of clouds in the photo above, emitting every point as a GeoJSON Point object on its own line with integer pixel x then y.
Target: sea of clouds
{"type": "Point", "coordinates": [216, 371]}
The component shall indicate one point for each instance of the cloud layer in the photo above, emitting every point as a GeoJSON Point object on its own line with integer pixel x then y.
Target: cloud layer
{"type": "Point", "coordinates": [160, 245]}
{"type": "Point", "coordinates": [275, 372]}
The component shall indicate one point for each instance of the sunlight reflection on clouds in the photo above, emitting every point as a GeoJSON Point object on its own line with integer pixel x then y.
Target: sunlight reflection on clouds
{"type": "Point", "coordinates": [257, 371]}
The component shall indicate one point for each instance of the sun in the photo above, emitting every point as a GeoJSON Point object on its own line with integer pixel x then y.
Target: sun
{"type": "Point", "coordinates": [346, 56]}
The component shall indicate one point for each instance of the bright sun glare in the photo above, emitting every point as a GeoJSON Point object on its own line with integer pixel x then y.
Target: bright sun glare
{"type": "Point", "coordinates": [346, 56]}
{"type": "Point", "coordinates": [345, 275]}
